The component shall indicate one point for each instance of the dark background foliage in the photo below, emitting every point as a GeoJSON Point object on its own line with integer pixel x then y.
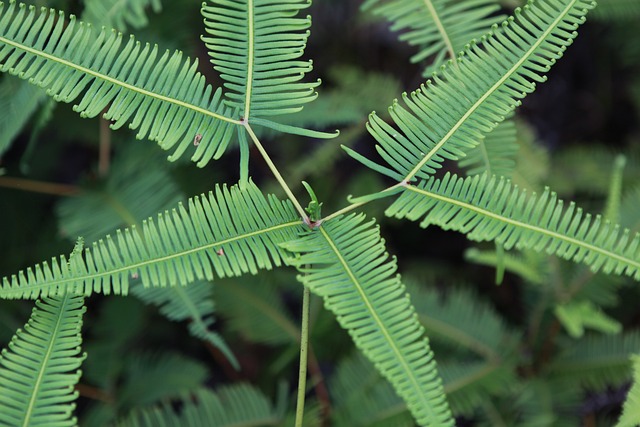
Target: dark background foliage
{"type": "Point", "coordinates": [587, 111]}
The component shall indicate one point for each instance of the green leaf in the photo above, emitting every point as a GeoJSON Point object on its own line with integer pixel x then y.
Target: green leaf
{"type": "Point", "coordinates": [495, 153]}
{"type": "Point", "coordinates": [631, 409]}
{"type": "Point", "coordinates": [164, 98]}
{"type": "Point", "coordinates": [193, 303]}
{"type": "Point", "coordinates": [118, 13]}
{"type": "Point", "coordinates": [439, 28]}
{"type": "Point", "coordinates": [150, 378]}
{"type": "Point", "coordinates": [18, 101]}
{"type": "Point", "coordinates": [597, 361]}
{"type": "Point", "coordinates": [487, 208]}
{"type": "Point", "coordinates": [577, 315]}
{"type": "Point", "coordinates": [40, 368]}
{"type": "Point", "coordinates": [229, 233]}
{"type": "Point", "coordinates": [254, 309]}
{"type": "Point", "coordinates": [448, 115]}
{"type": "Point", "coordinates": [230, 406]}
{"type": "Point", "coordinates": [363, 398]}
{"type": "Point", "coordinates": [129, 195]}
{"type": "Point", "coordinates": [344, 261]}
{"type": "Point", "coordinates": [255, 45]}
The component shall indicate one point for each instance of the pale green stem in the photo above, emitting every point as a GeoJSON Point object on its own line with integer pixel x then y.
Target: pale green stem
{"type": "Point", "coordinates": [342, 211]}
{"type": "Point", "coordinates": [276, 173]}
{"type": "Point", "coordinates": [356, 205]}
{"type": "Point", "coordinates": [304, 346]}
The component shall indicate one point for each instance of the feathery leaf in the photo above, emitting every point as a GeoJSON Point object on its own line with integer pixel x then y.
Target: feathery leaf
{"type": "Point", "coordinates": [446, 117]}
{"type": "Point", "coordinates": [41, 367]}
{"type": "Point", "coordinates": [345, 262]}
{"type": "Point", "coordinates": [193, 303]}
{"type": "Point", "coordinates": [164, 98]}
{"type": "Point", "coordinates": [18, 101]}
{"type": "Point", "coordinates": [229, 233]}
{"type": "Point", "coordinates": [487, 208]}
{"type": "Point", "coordinates": [227, 407]}
{"type": "Point", "coordinates": [631, 410]}
{"type": "Point", "coordinates": [255, 45]}
{"type": "Point", "coordinates": [439, 28]}
{"type": "Point", "coordinates": [495, 153]}
{"type": "Point", "coordinates": [118, 14]}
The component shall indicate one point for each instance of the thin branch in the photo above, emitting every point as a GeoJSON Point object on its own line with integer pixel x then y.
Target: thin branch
{"type": "Point", "coordinates": [276, 173]}
{"type": "Point", "coordinates": [38, 186]}
{"type": "Point", "coordinates": [304, 347]}
{"type": "Point", "coordinates": [104, 153]}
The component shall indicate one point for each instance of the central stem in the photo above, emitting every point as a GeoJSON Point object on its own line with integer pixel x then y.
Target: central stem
{"type": "Point", "coordinates": [304, 345]}
{"type": "Point", "coordinates": [276, 173]}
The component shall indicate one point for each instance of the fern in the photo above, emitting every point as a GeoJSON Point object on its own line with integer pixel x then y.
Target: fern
{"type": "Point", "coordinates": [631, 411]}
{"type": "Point", "coordinates": [487, 208]}
{"type": "Point", "coordinates": [151, 378]}
{"type": "Point", "coordinates": [460, 319]}
{"type": "Point", "coordinates": [17, 101]}
{"type": "Point", "coordinates": [363, 398]}
{"type": "Point", "coordinates": [229, 406]}
{"type": "Point", "coordinates": [254, 309]}
{"type": "Point", "coordinates": [439, 28]}
{"type": "Point", "coordinates": [345, 263]}
{"type": "Point", "coordinates": [255, 48]}
{"type": "Point", "coordinates": [446, 117]}
{"type": "Point", "coordinates": [40, 369]}
{"type": "Point", "coordinates": [119, 14]}
{"type": "Point", "coordinates": [192, 303]}
{"type": "Point", "coordinates": [495, 153]}
{"type": "Point", "coordinates": [469, 384]}
{"type": "Point", "coordinates": [617, 10]}
{"type": "Point", "coordinates": [598, 360]}
{"type": "Point", "coordinates": [129, 195]}
{"type": "Point", "coordinates": [230, 233]}
{"type": "Point", "coordinates": [71, 58]}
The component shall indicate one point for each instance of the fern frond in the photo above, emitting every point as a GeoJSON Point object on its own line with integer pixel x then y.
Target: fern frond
{"type": "Point", "coordinates": [577, 315]}
{"type": "Point", "coordinates": [231, 232]}
{"type": "Point", "coordinates": [495, 153]}
{"type": "Point", "coordinates": [119, 14]}
{"type": "Point", "coordinates": [229, 406]}
{"type": "Point", "coordinates": [129, 195]}
{"type": "Point", "coordinates": [254, 309]}
{"type": "Point", "coordinates": [363, 398]}
{"type": "Point", "coordinates": [487, 208]}
{"type": "Point", "coordinates": [461, 319]}
{"type": "Point", "coordinates": [617, 10]}
{"type": "Point", "coordinates": [631, 410]}
{"type": "Point", "coordinates": [18, 101]}
{"type": "Point", "coordinates": [597, 361]}
{"type": "Point", "coordinates": [255, 45]}
{"type": "Point", "coordinates": [39, 370]}
{"type": "Point", "coordinates": [150, 378]}
{"type": "Point", "coordinates": [469, 384]}
{"type": "Point", "coordinates": [164, 98]}
{"type": "Point", "coordinates": [532, 270]}
{"type": "Point", "coordinates": [445, 118]}
{"type": "Point", "coordinates": [193, 303]}
{"type": "Point", "coordinates": [344, 261]}
{"type": "Point", "coordinates": [439, 28]}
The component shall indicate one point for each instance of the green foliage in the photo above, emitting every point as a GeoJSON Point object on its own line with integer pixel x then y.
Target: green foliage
{"type": "Point", "coordinates": [345, 262]}
{"type": "Point", "coordinates": [439, 28]}
{"type": "Point", "coordinates": [515, 355]}
{"type": "Point", "coordinates": [229, 406]}
{"type": "Point", "coordinates": [230, 233]}
{"type": "Point", "coordinates": [41, 365]}
{"type": "Point", "coordinates": [119, 14]}
{"type": "Point", "coordinates": [631, 412]}
{"type": "Point", "coordinates": [465, 102]}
